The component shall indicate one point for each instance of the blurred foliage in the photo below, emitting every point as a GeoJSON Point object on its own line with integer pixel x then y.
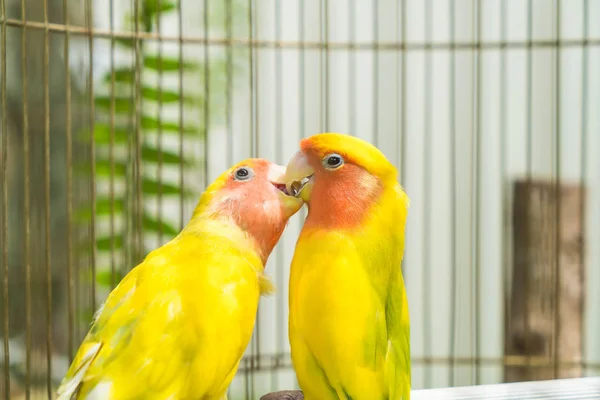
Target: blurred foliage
{"type": "Point", "coordinates": [136, 116]}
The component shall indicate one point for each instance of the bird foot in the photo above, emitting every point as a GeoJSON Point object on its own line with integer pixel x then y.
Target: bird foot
{"type": "Point", "coordinates": [284, 395]}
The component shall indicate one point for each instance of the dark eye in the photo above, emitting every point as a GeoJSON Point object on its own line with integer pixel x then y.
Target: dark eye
{"type": "Point", "coordinates": [243, 174]}
{"type": "Point", "coordinates": [333, 161]}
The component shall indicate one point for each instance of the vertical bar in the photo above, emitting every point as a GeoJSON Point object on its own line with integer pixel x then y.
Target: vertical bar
{"type": "Point", "coordinates": [453, 202]}
{"type": "Point", "coordinates": [402, 141]}
{"type": "Point", "coordinates": [206, 92]}
{"type": "Point", "coordinates": [229, 87]}
{"type": "Point", "coordinates": [529, 88]}
{"type": "Point", "coordinates": [90, 19]}
{"type": "Point", "coordinates": [324, 76]}
{"type": "Point", "coordinates": [427, 196]}
{"type": "Point", "coordinates": [26, 213]}
{"type": "Point", "coordinates": [280, 306]}
{"type": "Point", "coordinates": [352, 67]}
{"type": "Point", "coordinates": [159, 172]}
{"type": "Point", "coordinates": [181, 119]}
{"type": "Point", "coordinates": [475, 264]}
{"type": "Point", "coordinates": [529, 155]}
{"type": "Point", "coordinates": [139, 205]}
{"type": "Point", "coordinates": [69, 163]}
{"type": "Point", "coordinates": [255, 345]}
{"type": "Point", "coordinates": [557, 185]}
{"type": "Point", "coordinates": [254, 104]}
{"type": "Point", "coordinates": [301, 77]}
{"type": "Point", "coordinates": [129, 241]}
{"type": "Point", "coordinates": [584, 132]}
{"type": "Point", "coordinates": [46, 83]}
{"type": "Point", "coordinates": [111, 148]}
{"type": "Point", "coordinates": [375, 78]}
{"type": "Point", "coordinates": [4, 161]}
{"type": "Point", "coordinates": [253, 84]}
{"type": "Point", "coordinates": [506, 217]}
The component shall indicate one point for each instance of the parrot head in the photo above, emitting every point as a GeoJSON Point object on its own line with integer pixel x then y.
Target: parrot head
{"type": "Point", "coordinates": [339, 177]}
{"type": "Point", "coordinates": [253, 195]}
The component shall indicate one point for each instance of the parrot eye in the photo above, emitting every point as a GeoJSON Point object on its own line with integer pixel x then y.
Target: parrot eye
{"type": "Point", "coordinates": [243, 174]}
{"type": "Point", "coordinates": [333, 161]}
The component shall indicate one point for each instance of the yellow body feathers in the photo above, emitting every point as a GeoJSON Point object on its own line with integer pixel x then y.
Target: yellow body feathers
{"type": "Point", "coordinates": [349, 322]}
{"type": "Point", "coordinates": [177, 325]}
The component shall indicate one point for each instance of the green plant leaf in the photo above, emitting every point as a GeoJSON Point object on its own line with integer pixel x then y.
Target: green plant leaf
{"type": "Point", "coordinates": [153, 225]}
{"type": "Point", "coordinates": [105, 278]}
{"type": "Point", "coordinates": [150, 123]}
{"type": "Point", "coordinates": [151, 187]}
{"type": "Point", "coordinates": [123, 105]}
{"type": "Point", "coordinates": [103, 243]}
{"type": "Point", "coordinates": [165, 96]}
{"type": "Point", "coordinates": [103, 207]}
{"type": "Point", "coordinates": [151, 154]}
{"type": "Point", "coordinates": [103, 168]}
{"type": "Point", "coordinates": [152, 7]}
{"type": "Point", "coordinates": [102, 133]}
{"type": "Point", "coordinates": [128, 42]}
{"type": "Point", "coordinates": [167, 64]}
{"type": "Point", "coordinates": [122, 75]}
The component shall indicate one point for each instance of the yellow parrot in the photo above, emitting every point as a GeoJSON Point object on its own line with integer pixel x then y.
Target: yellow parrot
{"type": "Point", "coordinates": [349, 324]}
{"type": "Point", "coordinates": [178, 324]}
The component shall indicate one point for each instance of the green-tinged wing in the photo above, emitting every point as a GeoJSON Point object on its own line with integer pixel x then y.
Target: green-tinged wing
{"type": "Point", "coordinates": [93, 342]}
{"type": "Point", "coordinates": [134, 331]}
{"type": "Point", "coordinates": [397, 312]}
{"type": "Point", "coordinates": [398, 370]}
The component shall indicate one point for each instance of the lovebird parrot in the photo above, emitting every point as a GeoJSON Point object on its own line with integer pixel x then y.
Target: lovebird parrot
{"type": "Point", "coordinates": [349, 327]}
{"type": "Point", "coordinates": [177, 325]}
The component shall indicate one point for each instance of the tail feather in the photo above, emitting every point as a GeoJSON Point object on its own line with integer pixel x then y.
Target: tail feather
{"type": "Point", "coordinates": [71, 385]}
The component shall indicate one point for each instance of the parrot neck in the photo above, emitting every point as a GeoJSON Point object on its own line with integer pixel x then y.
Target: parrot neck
{"type": "Point", "coordinates": [256, 237]}
{"type": "Point", "coordinates": [341, 203]}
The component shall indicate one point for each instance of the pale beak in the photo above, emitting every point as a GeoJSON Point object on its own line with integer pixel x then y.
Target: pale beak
{"type": "Point", "coordinates": [276, 175]}
{"type": "Point", "coordinates": [299, 177]}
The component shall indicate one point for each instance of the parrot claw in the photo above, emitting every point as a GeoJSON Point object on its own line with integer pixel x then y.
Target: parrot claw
{"type": "Point", "coordinates": [284, 395]}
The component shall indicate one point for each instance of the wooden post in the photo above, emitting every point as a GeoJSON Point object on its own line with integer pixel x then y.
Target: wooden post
{"type": "Point", "coordinates": [545, 320]}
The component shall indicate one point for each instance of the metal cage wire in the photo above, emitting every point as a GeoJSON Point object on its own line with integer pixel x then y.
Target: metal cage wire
{"type": "Point", "coordinates": [297, 57]}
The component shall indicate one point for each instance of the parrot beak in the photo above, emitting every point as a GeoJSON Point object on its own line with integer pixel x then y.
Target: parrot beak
{"type": "Point", "coordinates": [299, 177]}
{"type": "Point", "coordinates": [276, 176]}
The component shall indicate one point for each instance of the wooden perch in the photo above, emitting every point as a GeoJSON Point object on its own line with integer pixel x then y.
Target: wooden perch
{"type": "Point", "coordinates": [284, 395]}
{"type": "Point", "coordinates": [546, 313]}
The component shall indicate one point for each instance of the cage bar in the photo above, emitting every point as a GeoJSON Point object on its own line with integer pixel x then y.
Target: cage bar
{"type": "Point", "coordinates": [48, 259]}
{"type": "Point", "coordinates": [26, 219]}
{"type": "Point", "coordinates": [4, 166]}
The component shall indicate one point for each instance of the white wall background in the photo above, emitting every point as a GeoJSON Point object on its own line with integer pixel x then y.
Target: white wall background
{"type": "Point", "coordinates": [441, 103]}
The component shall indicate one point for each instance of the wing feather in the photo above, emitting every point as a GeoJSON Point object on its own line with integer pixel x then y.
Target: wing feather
{"type": "Point", "coordinates": [155, 328]}
{"type": "Point", "coordinates": [72, 383]}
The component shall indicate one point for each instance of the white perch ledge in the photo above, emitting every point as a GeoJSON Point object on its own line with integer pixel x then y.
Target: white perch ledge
{"type": "Point", "coordinates": [564, 389]}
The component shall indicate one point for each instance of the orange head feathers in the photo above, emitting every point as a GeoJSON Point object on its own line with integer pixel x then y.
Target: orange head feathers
{"type": "Point", "coordinates": [252, 194]}
{"type": "Point", "coordinates": [340, 177]}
